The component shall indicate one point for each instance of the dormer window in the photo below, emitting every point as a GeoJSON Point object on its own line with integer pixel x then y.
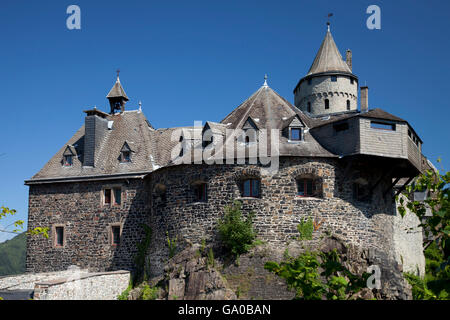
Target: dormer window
{"type": "Point", "coordinates": [68, 155]}
{"type": "Point", "coordinates": [250, 132]}
{"type": "Point", "coordinates": [296, 134]}
{"type": "Point", "coordinates": [68, 161]}
{"type": "Point", "coordinates": [125, 154]}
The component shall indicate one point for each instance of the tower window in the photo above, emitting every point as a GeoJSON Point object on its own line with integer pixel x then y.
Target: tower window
{"type": "Point", "coordinates": [59, 236]}
{"type": "Point", "coordinates": [309, 81]}
{"type": "Point", "coordinates": [351, 80]}
{"type": "Point", "coordinates": [250, 188]}
{"type": "Point", "coordinates": [348, 104]}
{"type": "Point", "coordinates": [327, 104]}
{"type": "Point", "coordinates": [200, 192]}
{"type": "Point", "coordinates": [296, 134]}
{"type": "Point", "coordinates": [115, 235]}
{"type": "Point", "coordinates": [333, 78]}
{"type": "Point", "coordinates": [309, 107]}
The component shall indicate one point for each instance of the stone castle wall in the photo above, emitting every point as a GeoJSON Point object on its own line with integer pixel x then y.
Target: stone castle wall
{"type": "Point", "coordinates": [322, 88]}
{"type": "Point", "coordinates": [278, 210]}
{"type": "Point", "coordinates": [78, 206]}
{"type": "Point", "coordinates": [87, 225]}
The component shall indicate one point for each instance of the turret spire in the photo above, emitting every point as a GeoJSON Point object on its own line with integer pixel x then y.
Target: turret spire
{"type": "Point", "coordinates": [117, 96]}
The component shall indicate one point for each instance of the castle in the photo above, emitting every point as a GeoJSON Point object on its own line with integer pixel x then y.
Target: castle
{"type": "Point", "coordinates": [320, 158]}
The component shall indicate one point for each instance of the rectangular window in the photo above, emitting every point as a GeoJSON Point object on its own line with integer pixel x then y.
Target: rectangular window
{"type": "Point", "coordinates": [126, 156]}
{"type": "Point", "coordinates": [117, 196]}
{"type": "Point", "coordinates": [327, 104]}
{"type": "Point", "coordinates": [68, 161]}
{"type": "Point", "coordinates": [251, 188]}
{"type": "Point", "coordinates": [59, 236]}
{"type": "Point", "coordinates": [296, 134]}
{"type": "Point", "coordinates": [333, 78]}
{"type": "Point", "coordinates": [200, 192]}
{"type": "Point", "coordinates": [382, 125]}
{"type": "Point", "coordinates": [309, 81]}
{"type": "Point", "coordinates": [107, 196]}
{"type": "Point", "coordinates": [115, 235]}
{"type": "Point", "coordinates": [351, 80]}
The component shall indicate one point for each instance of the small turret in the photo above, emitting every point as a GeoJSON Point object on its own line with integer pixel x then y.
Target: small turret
{"type": "Point", "coordinates": [117, 96]}
{"type": "Point", "coordinates": [329, 86]}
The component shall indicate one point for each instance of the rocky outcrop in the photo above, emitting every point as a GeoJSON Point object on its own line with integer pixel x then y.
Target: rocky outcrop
{"type": "Point", "coordinates": [192, 275]}
{"type": "Point", "coordinates": [188, 276]}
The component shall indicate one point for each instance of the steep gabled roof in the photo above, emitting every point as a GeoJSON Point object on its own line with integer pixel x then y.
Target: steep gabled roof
{"type": "Point", "coordinates": [328, 58]}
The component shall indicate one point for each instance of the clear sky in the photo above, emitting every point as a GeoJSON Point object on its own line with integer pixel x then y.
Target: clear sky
{"type": "Point", "coordinates": [198, 60]}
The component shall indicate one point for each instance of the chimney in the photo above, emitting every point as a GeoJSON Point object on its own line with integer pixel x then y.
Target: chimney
{"type": "Point", "coordinates": [348, 58]}
{"type": "Point", "coordinates": [95, 127]}
{"type": "Point", "coordinates": [364, 99]}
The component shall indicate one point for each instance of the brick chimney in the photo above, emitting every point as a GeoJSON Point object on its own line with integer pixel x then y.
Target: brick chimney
{"type": "Point", "coordinates": [348, 58]}
{"type": "Point", "coordinates": [364, 99]}
{"type": "Point", "coordinates": [95, 128]}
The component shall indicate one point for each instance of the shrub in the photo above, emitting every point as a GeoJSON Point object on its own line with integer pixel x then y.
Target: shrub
{"type": "Point", "coordinates": [235, 231]}
{"type": "Point", "coordinates": [305, 228]}
{"type": "Point", "coordinates": [149, 293]}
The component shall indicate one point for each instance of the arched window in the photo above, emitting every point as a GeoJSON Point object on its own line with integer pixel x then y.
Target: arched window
{"type": "Point", "coordinates": [348, 104]}
{"type": "Point", "coordinates": [327, 104]}
{"type": "Point", "coordinates": [305, 187]}
{"type": "Point", "coordinates": [309, 186]}
{"type": "Point", "coordinates": [250, 188]}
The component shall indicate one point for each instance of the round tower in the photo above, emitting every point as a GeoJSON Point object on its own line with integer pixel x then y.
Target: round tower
{"type": "Point", "coordinates": [329, 86]}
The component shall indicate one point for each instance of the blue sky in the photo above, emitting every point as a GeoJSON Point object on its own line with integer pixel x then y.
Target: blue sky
{"type": "Point", "coordinates": [198, 60]}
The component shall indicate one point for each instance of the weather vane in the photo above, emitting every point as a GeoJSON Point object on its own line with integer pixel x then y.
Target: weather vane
{"type": "Point", "coordinates": [328, 21]}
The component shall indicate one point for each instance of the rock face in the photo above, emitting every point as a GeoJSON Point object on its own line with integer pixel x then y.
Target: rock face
{"type": "Point", "coordinates": [189, 277]}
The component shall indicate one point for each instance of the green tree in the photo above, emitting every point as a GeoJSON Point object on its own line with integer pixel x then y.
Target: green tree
{"type": "Point", "coordinates": [235, 231]}
{"type": "Point", "coordinates": [18, 224]}
{"type": "Point", "coordinates": [436, 284]}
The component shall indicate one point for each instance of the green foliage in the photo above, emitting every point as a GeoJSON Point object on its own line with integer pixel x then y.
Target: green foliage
{"type": "Point", "coordinates": [436, 283]}
{"type": "Point", "coordinates": [172, 244]}
{"type": "Point", "coordinates": [335, 282]}
{"type": "Point", "coordinates": [236, 233]}
{"type": "Point", "coordinates": [437, 185]}
{"type": "Point", "coordinates": [210, 258]}
{"type": "Point", "coordinates": [126, 292]}
{"type": "Point", "coordinates": [305, 228]}
{"type": "Point", "coordinates": [149, 293]}
{"type": "Point", "coordinates": [18, 224]}
{"type": "Point", "coordinates": [142, 265]}
{"type": "Point", "coordinates": [12, 255]}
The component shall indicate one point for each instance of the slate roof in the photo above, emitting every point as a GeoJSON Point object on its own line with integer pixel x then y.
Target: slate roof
{"type": "Point", "coordinates": [117, 91]}
{"type": "Point", "coordinates": [130, 127]}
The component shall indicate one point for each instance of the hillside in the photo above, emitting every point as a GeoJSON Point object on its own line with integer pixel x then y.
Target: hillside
{"type": "Point", "coordinates": [12, 255]}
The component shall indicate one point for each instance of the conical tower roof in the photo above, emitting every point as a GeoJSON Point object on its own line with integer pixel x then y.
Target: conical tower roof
{"type": "Point", "coordinates": [328, 58]}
